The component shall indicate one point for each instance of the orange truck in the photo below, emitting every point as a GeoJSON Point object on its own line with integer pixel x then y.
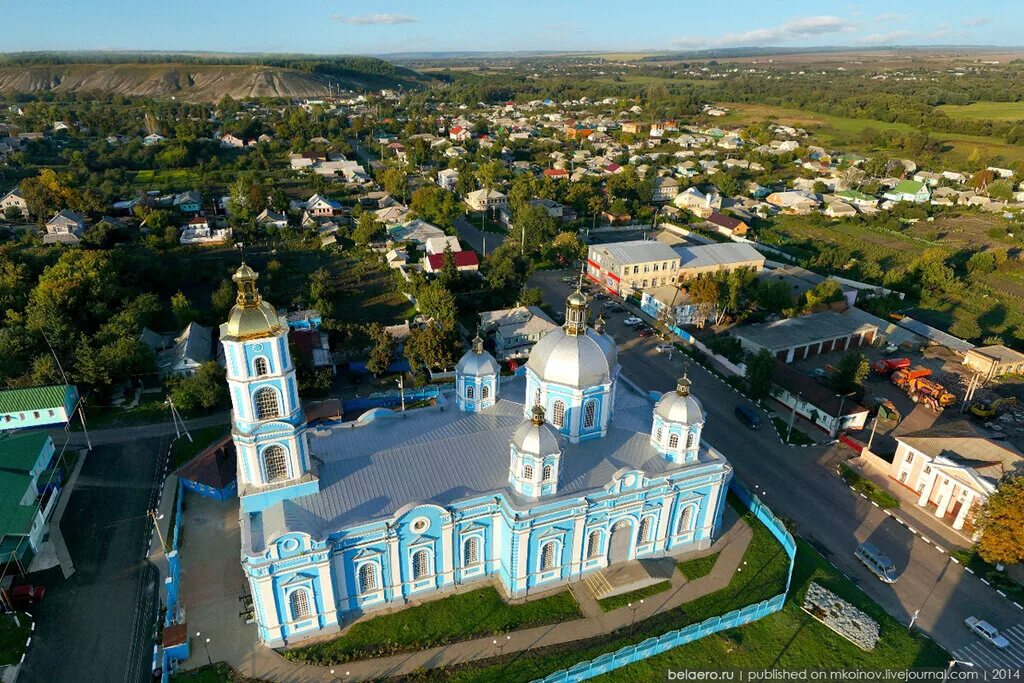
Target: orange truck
{"type": "Point", "coordinates": [885, 366]}
{"type": "Point", "coordinates": [923, 390]}
{"type": "Point", "coordinates": [903, 377]}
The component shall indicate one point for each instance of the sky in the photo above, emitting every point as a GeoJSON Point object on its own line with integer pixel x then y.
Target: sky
{"type": "Point", "coordinates": [389, 26]}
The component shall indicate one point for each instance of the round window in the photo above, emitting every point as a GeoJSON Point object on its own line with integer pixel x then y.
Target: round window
{"type": "Point", "coordinates": [420, 524]}
{"type": "Point", "coordinates": [289, 544]}
{"type": "Point", "coordinates": [257, 347]}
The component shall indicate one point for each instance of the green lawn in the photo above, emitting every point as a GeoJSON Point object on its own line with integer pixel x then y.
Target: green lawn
{"type": "Point", "coordinates": [699, 567]}
{"type": "Point", "coordinates": [462, 616]}
{"type": "Point", "coordinates": [170, 178]}
{"type": "Point", "coordinates": [796, 437]}
{"type": "Point", "coordinates": [763, 576]}
{"type": "Point", "coordinates": [218, 673]}
{"type": "Point", "coordinates": [617, 601]}
{"type": "Point", "coordinates": [104, 416]}
{"type": "Point", "coordinates": [994, 111]}
{"type": "Point", "coordinates": [184, 450]}
{"type": "Point", "coordinates": [13, 637]}
{"type": "Point", "coordinates": [868, 488]}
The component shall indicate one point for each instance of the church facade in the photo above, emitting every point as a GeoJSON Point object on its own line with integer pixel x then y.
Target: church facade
{"type": "Point", "coordinates": [530, 482]}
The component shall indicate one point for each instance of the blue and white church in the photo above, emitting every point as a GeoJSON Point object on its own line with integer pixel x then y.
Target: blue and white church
{"type": "Point", "coordinates": [527, 482]}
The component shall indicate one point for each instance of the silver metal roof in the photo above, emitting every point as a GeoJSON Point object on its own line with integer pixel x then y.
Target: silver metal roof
{"type": "Point", "coordinates": [674, 407]}
{"type": "Point", "coordinates": [368, 472]}
{"type": "Point", "coordinates": [636, 251]}
{"type": "Point", "coordinates": [802, 330]}
{"type": "Point", "coordinates": [723, 254]}
{"type": "Point", "coordinates": [583, 360]}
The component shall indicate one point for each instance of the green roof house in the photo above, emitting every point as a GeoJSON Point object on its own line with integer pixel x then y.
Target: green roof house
{"type": "Point", "coordinates": [857, 198]}
{"type": "Point", "coordinates": [37, 406]}
{"type": "Point", "coordinates": [28, 493]}
{"type": "Point", "coordinates": [909, 191]}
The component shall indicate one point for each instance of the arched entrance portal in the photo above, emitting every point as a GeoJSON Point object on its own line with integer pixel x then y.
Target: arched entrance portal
{"type": "Point", "coordinates": [618, 546]}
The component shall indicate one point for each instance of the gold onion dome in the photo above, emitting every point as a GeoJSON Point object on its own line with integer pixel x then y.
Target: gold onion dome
{"type": "Point", "coordinates": [251, 317]}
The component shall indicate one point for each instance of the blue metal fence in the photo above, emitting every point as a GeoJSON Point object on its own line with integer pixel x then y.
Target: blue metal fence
{"type": "Point", "coordinates": [171, 656]}
{"type": "Point", "coordinates": [739, 617]}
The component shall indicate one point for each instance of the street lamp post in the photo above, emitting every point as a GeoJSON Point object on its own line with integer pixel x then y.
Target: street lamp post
{"type": "Point", "coordinates": [401, 390]}
{"type": "Point", "coordinates": [500, 644]}
{"type": "Point", "coordinates": [156, 517]}
{"type": "Point", "coordinates": [634, 608]}
{"type": "Point", "coordinates": [952, 663]}
{"type": "Point", "coordinates": [206, 646]}
{"type": "Point", "coordinates": [792, 417]}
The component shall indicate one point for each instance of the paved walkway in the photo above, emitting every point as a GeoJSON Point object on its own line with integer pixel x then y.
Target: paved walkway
{"type": "Point", "coordinates": [211, 583]}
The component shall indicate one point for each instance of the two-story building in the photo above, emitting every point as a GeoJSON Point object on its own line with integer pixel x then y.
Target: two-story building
{"type": "Point", "coordinates": [625, 268]}
{"type": "Point", "coordinates": [29, 489]}
{"type": "Point", "coordinates": [37, 406]}
{"type": "Point", "coordinates": [516, 330]}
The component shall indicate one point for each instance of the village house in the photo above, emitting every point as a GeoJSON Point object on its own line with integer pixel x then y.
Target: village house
{"type": "Point", "coordinates": [516, 330]}
{"type": "Point", "coordinates": [191, 349]}
{"type": "Point", "coordinates": [272, 219]}
{"type": "Point", "coordinates": [188, 202]}
{"type": "Point", "coordinates": [65, 227]}
{"type": "Point", "coordinates": [727, 225]}
{"type": "Point", "coordinates": [794, 202]}
{"type": "Point", "coordinates": [31, 487]}
{"type": "Point", "coordinates": [909, 191]}
{"type": "Point", "coordinates": [199, 231]}
{"type": "Point", "coordinates": [479, 200]}
{"type": "Point", "coordinates": [447, 178]}
{"type": "Point", "coordinates": [231, 141]}
{"type": "Point", "coordinates": [319, 206]}
{"type": "Point", "coordinates": [13, 200]}
{"type": "Point", "coordinates": [994, 361]}
{"type": "Point", "coordinates": [465, 261]}
{"type": "Point", "coordinates": [665, 188]}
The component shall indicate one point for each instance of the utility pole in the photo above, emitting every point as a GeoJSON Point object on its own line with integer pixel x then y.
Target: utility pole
{"type": "Point", "coordinates": [874, 426]}
{"type": "Point", "coordinates": [179, 423]}
{"type": "Point", "coordinates": [401, 390]}
{"type": "Point", "coordinates": [792, 417]}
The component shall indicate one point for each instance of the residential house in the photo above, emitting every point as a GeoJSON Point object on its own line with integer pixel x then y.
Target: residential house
{"type": "Point", "coordinates": [447, 178]}
{"type": "Point", "coordinates": [480, 200]}
{"type": "Point", "coordinates": [396, 214]}
{"type": "Point", "coordinates": [697, 202]}
{"type": "Point", "coordinates": [554, 209]}
{"type": "Point", "coordinates": [13, 200]}
{"type": "Point", "coordinates": [928, 178]}
{"type": "Point", "coordinates": [857, 199]}
{"type": "Point", "coordinates": [45, 406]}
{"type": "Point", "coordinates": [272, 219]}
{"type": "Point", "coordinates": [993, 361]}
{"type": "Point", "coordinates": [437, 245]}
{"type": "Point", "coordinates": [627, 268]}
{"type": "Point", "coordinates": [794, 202]}
{"type": "Point", "coordinates": [465, 261]}
{"type": "Point", "coordinates": [396, 258]}
{"type": "Point", "coordinates": [953, 468]}
{"type": "Point", "coordinates": [556, 173]}
{"type": "Point", "coordinates": [727, 225]}
{"type": "Point", "coordinates": [29, 489]}
{"type": "Point", "coordinates": [655, 301]}
{"type": "Point", "coordinates": [199, 231]}
{"type": "Point", "coordinates": [416, 231]}
{"type": "Point", "coordinates": [665, 188]}
{"type": "Point", "coordinates": [188, 202]}
{"type": "Point", "coordinates": [459, 134]}
{"type": "Point", "coordinates": [805, 396]}
{"type": "Point", "coordinates": [191, 349]}
{"type": "Point", "coordinates": [839, 210]}
{"type": "Point", "coordinates": [516, 330]}
{"type": "Point", "coordinates": [66, 227]}
{"type": "Point", "coordinates": [230, 141]}
{"type": "Point", "coordinates": [320, 206]}
{"type": "Point", "coordinates": [909, 191]}
{"type": "Point", "coordinates": [153, 139]}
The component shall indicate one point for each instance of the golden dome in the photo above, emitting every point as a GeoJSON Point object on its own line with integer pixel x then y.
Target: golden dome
{"type": "Point", "coordinates": [577, 299]}
{"type": "Point", "coordinates": [251, 317]}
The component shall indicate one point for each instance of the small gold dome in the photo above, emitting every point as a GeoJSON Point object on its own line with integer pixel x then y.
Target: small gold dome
{"type": "Point", "coordinates": [577, 299]}
{"type": "Point", "coordinates": [251, 317]}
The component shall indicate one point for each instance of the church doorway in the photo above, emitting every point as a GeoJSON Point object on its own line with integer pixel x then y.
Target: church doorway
{"type": "Point", "coordinates": [618, 547]}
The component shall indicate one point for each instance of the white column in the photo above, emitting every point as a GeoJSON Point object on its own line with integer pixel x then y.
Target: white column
{"type": "Point", "coordinates": [447, 560]}
{"type": "Point", "coordinates": [576, 566]}
{"type": "Point", "coordinates": [497, 541]}
{"type": "Point", "coordinates": [396, 567]}
{"type": "Point", "coordinates": [965, 508]}
{"type": "Point", "coordinates": [926, 492]}
{"type": "Point", "coordinates": [522, 569]}
{"type": "Point", "coordinates": [943, 501]}
{"type": "Point", "coordinates": [327, 594]}
{"type": "Point", "coordinates": [663, 523]}
{"type": "Point", "coordinates": [263, 592]}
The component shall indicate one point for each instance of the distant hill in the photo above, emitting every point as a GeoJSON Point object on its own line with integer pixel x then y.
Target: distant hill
{"type": "Point", "coordinates": [199, 77]}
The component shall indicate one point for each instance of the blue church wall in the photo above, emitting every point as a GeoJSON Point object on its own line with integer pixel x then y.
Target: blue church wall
{"type": "Point", "coordinates": [259, 501]}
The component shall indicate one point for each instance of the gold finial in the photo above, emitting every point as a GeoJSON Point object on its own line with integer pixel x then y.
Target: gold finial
{"type": "Point", "coordinates": [478, 342]}
{"type": "Point", "coordinates": [683, 385]}
{"type": "Point", "coordinates": [599, 324]}
{"type": "Point", "coordinates": [537, 417]}
{"type": "Point", "coordinates": [245, 278]}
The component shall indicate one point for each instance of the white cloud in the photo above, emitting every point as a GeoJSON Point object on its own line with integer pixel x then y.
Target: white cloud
{"type": "Point", "coordinates": [793, 29]}
{"type": "Point", "coordinates": [885, 38]}
{"type": "Point", "coordinates": [978, 21]}
{"type": "Point", "coordinates": [890, 16]}
{"type": "Point", "coordinates": [376, 19]}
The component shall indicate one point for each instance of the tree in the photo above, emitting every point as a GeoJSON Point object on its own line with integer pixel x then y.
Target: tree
{"type": "Point", "coordinates": [1000, 521]}
{"type": "Point", "coordinates": [383, 352]}
{"type": "Point", "coordinates": [774, 296]}
{"type": "Point", "coordinates": [449, 275]}
{"type": "Point", "coordinates": [851, 371]}
{"type": "Point", "coordinates": [204, 390]}
{"type": "Point", "coordinates": [535, 225]}
{"type": "Point", "coordinates": [395, 181]}
{"type": "Point", "coordinates": [703, 291]}
{"type": "Point", "coordinates": [247, 197]}
{"type": "Point", "coordinates": [966, 327]}
{"type": "Point", "coordinates": [504, 268]}
{"type": "Point", "coordinates": [531, 296]}
{"type": "Point", "coordinates": [182, 308]}
{"type": "Point", "coordinates": [223, 298]}
{"type": "Point", "coordinates": [48, 193]}
{"type": "Point", "coordinates": [368, 229]}
{"type": "Point", "coordinates": [825, 292]}
{"type": "Point", "coordinates": [568, 247]}
{"type": "Point", "coordinates": [760, 371]}
{"type": "Point", "coordinates": [435, 301]}
{"type": "Point", "coordinates": [322, 288]}
{"type": "Point", "coordinates": [432, 347]}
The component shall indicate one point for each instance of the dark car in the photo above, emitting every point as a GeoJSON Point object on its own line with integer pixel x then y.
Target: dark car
{"type": "Point", "coordinates": [748, 416]}
{"type": "Point", "coordinates": [24, 596]}
{"type": "Point", "coordinates": [645, 332]}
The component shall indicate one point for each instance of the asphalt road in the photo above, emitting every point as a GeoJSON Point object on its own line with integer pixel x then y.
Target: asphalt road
{"type": "Point", "coordinates": [797, 483]}
{"type": "Point", "coordinates": [98, 625]}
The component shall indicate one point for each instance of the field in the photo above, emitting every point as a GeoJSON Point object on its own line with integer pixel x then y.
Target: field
{"type": "Point", "coordinates": [995, 111]}
{"type": "Point", "coordinates": [167, 179]}
{"type": "Point", "coordinates": [845, 132]}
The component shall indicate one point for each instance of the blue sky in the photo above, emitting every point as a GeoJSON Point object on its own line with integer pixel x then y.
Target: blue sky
{"type": "Point", "coordinates": [383, 26]}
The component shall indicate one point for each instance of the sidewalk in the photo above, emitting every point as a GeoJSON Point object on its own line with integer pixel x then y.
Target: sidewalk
{"type": "Point", "coordinates": [211, 611]}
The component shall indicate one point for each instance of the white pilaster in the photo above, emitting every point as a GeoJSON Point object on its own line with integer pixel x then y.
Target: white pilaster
{"type": "Point", "coordinates": [447, 558]}
{"type": "Point", "coordinates": [576, 565]}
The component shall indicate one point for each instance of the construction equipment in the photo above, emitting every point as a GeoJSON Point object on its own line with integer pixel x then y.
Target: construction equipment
{"type": "Point", "coordinates": [929, 392]}
{"type": "Point", "coordinates": [885, 366]}
{"type": "Point", "coordinates": [902, 378]}
{"type": "Point", "coordinates": [989, 409]}
{"type": "Point", "coordinates": [887, 411]}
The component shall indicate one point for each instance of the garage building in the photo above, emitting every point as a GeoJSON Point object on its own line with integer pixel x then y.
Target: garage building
{"type": "Point", "coordinates": [806, 336]}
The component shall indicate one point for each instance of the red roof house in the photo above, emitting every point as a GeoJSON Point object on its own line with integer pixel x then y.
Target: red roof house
{"type": "Point", "coordinates": [464, 260]}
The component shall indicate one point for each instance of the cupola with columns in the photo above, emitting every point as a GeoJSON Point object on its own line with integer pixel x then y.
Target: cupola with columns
{"type": "Point", "coordinates": [476, 378]}
{"type": "Point", "coordinates": [678, 421]}
{"type": "Point", "coordinates": [536, 457]}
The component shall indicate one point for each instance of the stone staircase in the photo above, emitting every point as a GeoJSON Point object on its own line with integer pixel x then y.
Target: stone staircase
{"type": "Point", "coordinates": [598, 585]}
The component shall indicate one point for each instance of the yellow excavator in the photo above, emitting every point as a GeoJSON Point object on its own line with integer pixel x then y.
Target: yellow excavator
{"type": "Point", "coordinates": [989, 409]}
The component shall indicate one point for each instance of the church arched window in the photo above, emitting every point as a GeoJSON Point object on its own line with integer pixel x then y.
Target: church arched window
{"type": "Point", "coordinates": [275, 463]}
{"type": "Point", "coordinates": [266, 404]}
{"type": "Point", "coordinates": [545, 474]}
{"type": "Point", "coordinates": [420, 564]}
{"type": "Point", "coordinates": [558, 414]}
{"type": "Point", "coordinates": [471, 551]}
{"type": "Point", "coordinates": [589, 414]}
{"type": "Point", "coordinates": [673, 441]}
{"type": "Point", "coordinates": [298, 604]}
{"type": "Point", "coordinates": [547, 556]}
{"type": "Point", "coordinates": [685, 520]}
{"type": "Point", "coordinates": [593, 544]}
{"type": "Point", "coordinates": [528, 472]}
{"type": "Point", "coordinates": [485, 392]}
{"type": "Point", "coordinates": [368, 578]}
{"type": "Point", "coordinates": [689, 441]}
{"type": "Point", "coordinates": [645, 530]}
{"type": "Point", "coordinates": [260, 367]}
{"type": "Point", "coordinates": [470, 392]}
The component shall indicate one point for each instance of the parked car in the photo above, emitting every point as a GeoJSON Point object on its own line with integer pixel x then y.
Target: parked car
{"type": "Point", "coordinates": [568, 278]}
{"type": "Point", "coordinates": [645, 332]}
{"type": "Point", "coordinates": [25, 596]}
{"type": "Point", "coordinates": [879, 565]}
{"type": "Point", "coordinates": [664, 348]}
{"type": "Point", "coordinates": [633, 320]}
{"type": "Point", "coordinates": [987, 632]}
{"type": "Point", "coordinates": [748, 416]}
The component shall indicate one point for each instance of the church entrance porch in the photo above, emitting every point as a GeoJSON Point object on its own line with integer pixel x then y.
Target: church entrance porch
{"type": "Point", "coordinates": [621, 542]}
{"type": "Point", "coordinates": [629, 576]}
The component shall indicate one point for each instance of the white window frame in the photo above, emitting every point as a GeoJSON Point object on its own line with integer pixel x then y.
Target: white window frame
{"type": "Point", "coordinates": [274, 448]}
{"type": "Point", "coordinates": [375, 577]}
{"type": "Point", "coordinates": [558, 416]}
{"type": "Point", "coordinates": [256, 370]}
{"type": "Point", "coordinates": [593, 548]}
{"type": "Point", "coordinates": [590, 413]}
{"type": "Point", "coordinates": [310, 603]}
{"type": "Point", "coordinates": [413, 553]}
{"type": "Point", "coordinates": [266, 390]}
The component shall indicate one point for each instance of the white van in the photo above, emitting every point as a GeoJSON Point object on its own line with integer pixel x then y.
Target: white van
{"type": "Point", "coordinates": [880, 565]}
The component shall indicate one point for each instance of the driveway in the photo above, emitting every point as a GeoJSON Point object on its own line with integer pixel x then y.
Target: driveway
{"type": "Point", "coordinates": [481, 242]}
{"type": "Point", "coordinates": [801, 484]}
{"type": "Point", "coordinates": [98, 624]}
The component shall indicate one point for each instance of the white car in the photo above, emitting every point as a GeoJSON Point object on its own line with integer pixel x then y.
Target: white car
{"type": "Point", "coordinates": [987, 632]}
{"type": "Point", "coordinates": [664, 348]}
{"type": "Point", "coordinates": [632, 320]}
